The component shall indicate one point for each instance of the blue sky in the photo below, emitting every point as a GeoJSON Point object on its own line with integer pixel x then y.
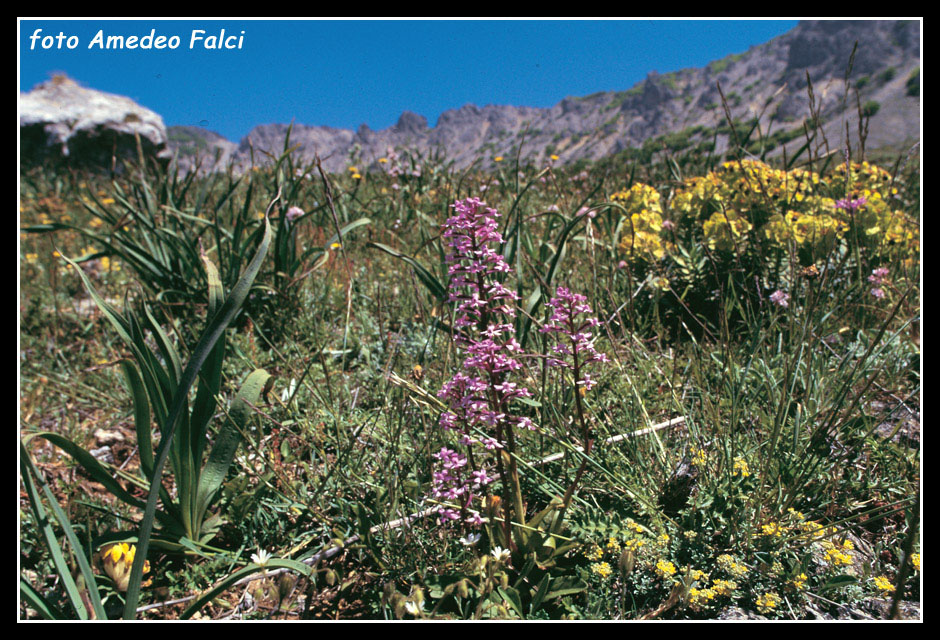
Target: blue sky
{"type": "Point", "coordinates": [345, 73]}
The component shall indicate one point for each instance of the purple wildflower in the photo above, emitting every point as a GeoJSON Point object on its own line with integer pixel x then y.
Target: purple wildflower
{"type": "Point", "coordinates": [480, 394]}
{"type": "Point", "coordinates": [293, 213]}
{"type": "Point", "coordinates": [851, 205]}
{"type": "Point", "coordinates": [780, 298]}
{"type": "Point", "coordinates": [878, 276]}
{"type": "Point", "coordinates": [565, 320]}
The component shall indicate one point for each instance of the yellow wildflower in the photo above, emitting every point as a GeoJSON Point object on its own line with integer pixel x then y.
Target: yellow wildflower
{"type": "Point", "coordinates": [723, 587]}
{"type": "Point", "coordinates": [594, 553]}
{"type": "Point", "coordinates": [117, 561]}
{"type": "Point", "coordinates": [767, 602]}
{"type": "Point", "coordinates": [601, 568]}
{"type": "Point", "coordinates": [884, 584]}
{"type": "Point", "coordinates": [665, 568]}
{"type": "Point", "coordinates": [699, 598]}
{"type": "Point", "coordinates": [740, 467]}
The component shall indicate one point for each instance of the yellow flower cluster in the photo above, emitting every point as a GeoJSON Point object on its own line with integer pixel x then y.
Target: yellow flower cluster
{"type": "Point", "coordinates": [633, 526]}
{"type": "Point", "coordinates": [772, 529]}
{"type": "Point", "coordinates": [117, 561]}
{"type": "Point", "coordinates": [108, 265]}
{"type": "Point", "coordinates": [702, 597]}
{"type": "Point", "coordinates": [864, 176]}
{"type": "Point", "coordinates": [838, 555]}
{"type": "Point", "coordinates": [601, 568]}
{"type": "Point", "coordinates": [741, 468]}
{"type": "Point", "coordinates": [640, 235]}
{"type": "Point", "coordinates": [594, 553]}
{"type": "Point", "coordinates": [768, 602]}
{"type": "Point", "coordinates": [665, 568]}
{"type": "Point", "coordinates": [799, 582]}
{"type": "Point", "coordinates": [699, 458]}
{"type": "Point", "coordinates": [725, 231]}
{"type": "Point", "coordinates": [732, 566]}
{"type": "Point", "coordinates": [699, 598]}
{"type": "Point", "coordinates": [740, 195]}
{"type": "Point", "coordinates": [818, 231]}
{"type": "Point", "coordinates": [634, 544]}
{"type": "Point", "coordinates": [723, 587]}
{"type": "Point", "coordinates": [884, 584]}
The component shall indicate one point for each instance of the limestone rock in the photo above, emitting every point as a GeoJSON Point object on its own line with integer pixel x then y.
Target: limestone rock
{"type": "Point", "coordinates": [62, 121]}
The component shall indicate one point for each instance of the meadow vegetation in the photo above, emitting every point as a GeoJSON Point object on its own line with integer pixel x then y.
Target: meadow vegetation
{"type": "Point", "coordinates": [668, 384]}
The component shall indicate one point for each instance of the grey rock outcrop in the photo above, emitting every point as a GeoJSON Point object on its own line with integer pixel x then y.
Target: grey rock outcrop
{"type": "Point", "coordinates": [769, 81]}
{"type": "Point", "coordinates": [198, 149]}
{"type": "Point", "coordinates": [61, 121]}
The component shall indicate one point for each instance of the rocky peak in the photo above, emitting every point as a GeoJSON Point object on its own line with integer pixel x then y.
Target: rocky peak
{"type": "Point", "coordinates": [410, 122]}
{"type": "Point", "coordinates": [63, 121]}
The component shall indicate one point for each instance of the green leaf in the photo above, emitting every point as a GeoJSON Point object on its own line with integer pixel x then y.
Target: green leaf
{"type": "Point", "coordinates": [203, 349]}
{"type": "Point", "coordinates": [426, 277]}
{"type": "Point", "coordinates": [511, 596]}
{"type": "Point", "coordinates": [38, 602]}
{"type": "Point", "coordinates": [346, 229]}
{"type": "Point", "coordinates": [565, 586]}
{"type": "Point", "coordinates": [28, 471]}
{"type": "Point", "coordinates": [141, 416]}
{"type": "Point", "coordinates": [540, 592]}
{"type": "Point", "coordinates": [230, 436]}
{"type": "Point", "coordinates": [89, 463]}
{"type": "Point", "coordinates": [839, 581]}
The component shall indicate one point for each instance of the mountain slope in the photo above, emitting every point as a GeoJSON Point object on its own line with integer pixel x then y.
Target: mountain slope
{"type": "Point", "coordinates": [767, 81]}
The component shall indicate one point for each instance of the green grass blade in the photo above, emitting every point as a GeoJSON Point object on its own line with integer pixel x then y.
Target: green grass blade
{"type": "Point", "coordinates": [38, 602]}
{"type": "Point", "coordinates": [426, 277]}
{"type": "Point", "coordinates": [29, 471]}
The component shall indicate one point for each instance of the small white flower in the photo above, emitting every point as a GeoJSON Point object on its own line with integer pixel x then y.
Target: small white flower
{"type": "Point", "coordinates": [470, 540]}
{"type": "Point", "coordinates": [261, 558]}
{"type": "Point", "coordinates": [413, 608]}
{"type": "Point", "coordinates": [500, 554]}
{"type": "Point", "coordinates": [289, 391]}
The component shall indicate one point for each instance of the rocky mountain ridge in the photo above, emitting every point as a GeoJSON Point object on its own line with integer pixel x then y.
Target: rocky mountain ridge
{"type": "Point", "coordinates": [769, 82]}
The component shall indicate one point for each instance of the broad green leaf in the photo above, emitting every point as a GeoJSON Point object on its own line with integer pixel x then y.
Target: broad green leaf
{"type": "Point", "coordinates": [203, 349]}
{"type": "Point", "coordinates": [228, 440]}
